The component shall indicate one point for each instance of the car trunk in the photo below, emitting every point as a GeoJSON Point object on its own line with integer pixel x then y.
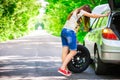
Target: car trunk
{"type": "Point", "coordinates": [115, 16]}
{"type": "Point", "coordinates": [115, 23]}
{"type": "Point", "coordinates": [114, 4]}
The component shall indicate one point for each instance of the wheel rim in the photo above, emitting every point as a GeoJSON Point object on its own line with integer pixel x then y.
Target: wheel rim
{"type": "Point", "coordinates": [79, 60]}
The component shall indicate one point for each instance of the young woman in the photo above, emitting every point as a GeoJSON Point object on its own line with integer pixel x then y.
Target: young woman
{"type": "Point", "coordinates": [68, 34]}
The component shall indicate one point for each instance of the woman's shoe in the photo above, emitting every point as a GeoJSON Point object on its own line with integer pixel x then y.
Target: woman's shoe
{"type": "Point", "coordinates": [64, 72]}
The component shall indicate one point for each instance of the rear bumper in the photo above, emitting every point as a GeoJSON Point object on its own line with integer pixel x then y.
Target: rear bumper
{"type": "Point", "coordinates": [110, 51]}
{"type": "Point", "coordinates": [110, 57]}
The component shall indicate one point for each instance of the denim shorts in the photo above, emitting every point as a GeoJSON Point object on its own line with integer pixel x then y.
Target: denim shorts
{"type": "Point", "coordinates": [68, 38]}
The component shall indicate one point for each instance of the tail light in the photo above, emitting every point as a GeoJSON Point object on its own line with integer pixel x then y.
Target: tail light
{"type": "Point", "coordinates": [109, 34]}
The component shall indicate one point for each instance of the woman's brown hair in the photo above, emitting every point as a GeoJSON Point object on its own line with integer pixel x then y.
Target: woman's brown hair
{"type": "Point", "coordinates": [85, 19]}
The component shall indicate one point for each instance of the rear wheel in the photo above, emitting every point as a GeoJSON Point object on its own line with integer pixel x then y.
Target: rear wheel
{"type": "Point", "coordinates": [99, 66]}
{"type": "Point", "coordinates": [80, 61]}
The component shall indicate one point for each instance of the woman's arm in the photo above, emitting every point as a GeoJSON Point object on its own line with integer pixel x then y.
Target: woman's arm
{"type": "Point", "coordinates": [92, 15]}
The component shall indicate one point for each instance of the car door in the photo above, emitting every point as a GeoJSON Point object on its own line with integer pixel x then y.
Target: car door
{"type": "Point", "coordinates": [94, 36]}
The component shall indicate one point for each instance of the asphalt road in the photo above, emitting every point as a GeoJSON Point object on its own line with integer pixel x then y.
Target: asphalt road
{"type": "Point", "coordinates": [37, 56]}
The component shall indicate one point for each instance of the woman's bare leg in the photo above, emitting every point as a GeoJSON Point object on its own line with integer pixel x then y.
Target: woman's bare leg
{"type": "Point", "coordinates": [65, 50]}
{"type": "Point", "coordinates": [68, 58]}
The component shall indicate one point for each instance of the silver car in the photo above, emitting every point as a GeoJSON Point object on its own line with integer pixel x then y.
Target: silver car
{"type": "Point", "coordinates": [103, 39]}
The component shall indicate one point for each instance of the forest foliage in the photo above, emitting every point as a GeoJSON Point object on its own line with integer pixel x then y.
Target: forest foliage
{"type": "Point", "coordinates": [15, 16]}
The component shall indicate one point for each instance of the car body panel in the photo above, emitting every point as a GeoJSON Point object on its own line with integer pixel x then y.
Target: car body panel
{"type": "Point", "coordinates": [109, 50]}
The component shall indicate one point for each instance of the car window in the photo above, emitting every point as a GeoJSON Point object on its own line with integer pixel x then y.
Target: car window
{"type": "Point", "coordinates": [94, 24]}
{"type": "Point", "coordinates": [104, 22]}
{"type": "Point", "coordinates": [99, 23]}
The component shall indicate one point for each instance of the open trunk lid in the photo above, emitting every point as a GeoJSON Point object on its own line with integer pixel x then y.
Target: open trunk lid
{"type": "Point", "coordinates": [114, 4]}
{"type": "Point", "coordinates": [115, 24]}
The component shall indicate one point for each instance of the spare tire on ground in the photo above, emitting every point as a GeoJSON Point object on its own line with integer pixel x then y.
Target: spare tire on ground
{"type": "Point", "coordinates": [80, 61]}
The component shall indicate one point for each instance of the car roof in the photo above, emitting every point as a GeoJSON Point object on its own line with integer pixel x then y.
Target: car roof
{"type": "Point", "coordinates": [100, 9]}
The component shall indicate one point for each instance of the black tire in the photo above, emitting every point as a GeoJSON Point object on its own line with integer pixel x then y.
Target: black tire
{"type": "Point", "coordinates": [81, 60]}
{"type": "Point", "coordinates": [99, 67]}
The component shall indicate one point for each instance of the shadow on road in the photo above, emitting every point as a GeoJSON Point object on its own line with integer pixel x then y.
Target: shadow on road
{"type": "Point", "coordinates": [29, 67]}
{"type": "Point", "coordinates": [42, 67]}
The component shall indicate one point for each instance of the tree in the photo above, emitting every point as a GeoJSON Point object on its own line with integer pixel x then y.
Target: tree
{"type": "Point", "coordinates": [14, 17]}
